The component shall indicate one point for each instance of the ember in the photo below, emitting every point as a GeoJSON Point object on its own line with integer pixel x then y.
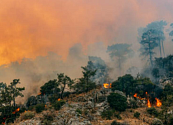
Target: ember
{"type": "Point", "coordinates": [59, 99]}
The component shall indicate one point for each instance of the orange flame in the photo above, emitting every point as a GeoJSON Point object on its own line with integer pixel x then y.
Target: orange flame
{"type": "Point", "coordinates": [59, 99]}
{"type": "Point", "coordinates": [158, 103]}
{"type": "Point", "coordinates": [17, 110]}
{"type": "Point", "coordinates": [39, 93]}
{"type": "Point", "coordinates": [107, 85]}
{"type": "Point", "coordinates": [148, 103]}
{"type": "Point", "coordinates": [136, 96]}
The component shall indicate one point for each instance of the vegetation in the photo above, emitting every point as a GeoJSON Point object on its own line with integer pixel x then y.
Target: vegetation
{"type": "Point", "coordinates": [117, 102]}
{"type": "Point", "coordinates": [152, 111]}
{"type": "Point", "coordinates": [115, 123]}
{"type": "Point", "coordinates": [27, 115]}
{"type": "Point", "coordinates": [50, 87]}
{"type": "Point", "coordinates": [121, 52]}
{"type": "Point", "coordinates": [58, 104]}
{"type": "Point", "coordinates": [107, 114]}
{"type": "Point", "coordinates": [85, 84]}
{"type": "Point", "coordinates": [136, 114]}
{"type": "Point", "coordinates": [78, 111]}
{"type": "Point", "coordinates": [39, 108]}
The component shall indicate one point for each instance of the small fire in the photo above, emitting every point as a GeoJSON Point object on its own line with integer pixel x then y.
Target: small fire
{"type": "Point", "coordinates": [59, 99]}
{"type": "Point", "coordinates": [39, 93]}
{"type": "Point", "coordinates": [3, 123]}
{"type": "Point", "coordinates": [107, 85]}
{"type": "Point", "coordinates": [136, 96]}
{"type": "Point", "coordinates": [17, 110]}
{"type": "Point", "coordinates": [148, 103]}
{"type": "Point", "coordinates": [158, 102]}
{"type": "Point", "coordinates": [45, 106]}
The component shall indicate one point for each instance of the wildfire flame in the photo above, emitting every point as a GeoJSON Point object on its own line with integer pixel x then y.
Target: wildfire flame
{"type": "Point", "coordinates": [17, 110]}
{"type": "Point", "coordinates": [39, 93]}
{"type": "Point", "coordinates": [136, 96]}
{"type": "Point", "coordinates": [158, 102]}
{"type": "Point", "coordinates": [148, 103]}
{"type": "Point", "coordinates": [107, 85]}
{"type": "Point", "coordinates": [59, 99]}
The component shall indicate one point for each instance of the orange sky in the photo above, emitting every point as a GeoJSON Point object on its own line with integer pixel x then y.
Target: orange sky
{"type": "Point", "coordinates": [30, 28]}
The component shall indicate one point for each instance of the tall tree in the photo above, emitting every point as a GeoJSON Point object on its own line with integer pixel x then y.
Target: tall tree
{"type": "Point", "coordinates": [158, 34]}
{"type": "Point", "coordinates": [64, 80]}
{"type": "Point", "coordinates": [50, 87]}
{"type": "Point", "coordinates": [87, 74]}
{"type": "Point", "coordinates": [5, 95]}
{"type": "Point", "coordinates": [15, 91]}
{"type": "Point", "coordinates": [85, 83]}
{"type": "Point", "coordinates": [96, 63]}
{"type": "Point", "coordinates": [148, 43]}
{"type": "Point", "coordinates": [171, 33]}
{"type": "Point", "coordinates": [121, 52]}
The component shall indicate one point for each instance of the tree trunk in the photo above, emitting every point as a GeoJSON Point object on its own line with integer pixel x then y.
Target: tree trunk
{"type": "Point", "coordinates": [160, 48]}
{"type": "Point", "coordinates": [163, 49]}
{"type": "Point", "coordinates": [62, 91]}
{"type": "Point", "coordinates": [151, 61]}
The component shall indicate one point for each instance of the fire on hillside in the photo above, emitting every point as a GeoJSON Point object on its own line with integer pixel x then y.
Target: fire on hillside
{"type": "Point", "coordinates": [107, 85]}
{"type": "Point", "coordinates": [158, 102]}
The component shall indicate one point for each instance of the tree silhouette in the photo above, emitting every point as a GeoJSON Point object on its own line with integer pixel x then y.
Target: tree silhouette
{"type": "Point", "coordinates": [64, 80]}
{"type": "Point", "coordinates": [121, 52]}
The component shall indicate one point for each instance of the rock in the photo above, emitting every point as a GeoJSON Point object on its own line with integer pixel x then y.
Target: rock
{"type": "Point", "coordinates": [157, 121]}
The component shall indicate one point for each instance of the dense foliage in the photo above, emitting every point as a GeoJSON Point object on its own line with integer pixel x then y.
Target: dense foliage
{"type": "Point", "coordinates": [117, 102]}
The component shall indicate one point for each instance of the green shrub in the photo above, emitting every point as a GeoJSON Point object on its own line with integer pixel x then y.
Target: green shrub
{"type": "Point", "coordinates": [156, 121]}
{"type": "Point", "coordinates": [117, 102]}
{"type": "Point", "coordinates": [31, 108]}
{"type": "Point", "coordinates": [136, 114]}
{"type": "Point", "coordinates": [58, 104]}
{"type": "Point", "coordinates": [101, 99]}
{"type": "Point", "coordinates": [27, 115]}
{"type": "Point", "coordinates": [47, 118]}
{"type": "Point", "coordinates": [117, 115]}
{"type": "Point", "coordinates": [39, 108]}
{"type": "Point", "coordinates": [115, 123]}
{"type": "Point", "coordinates": [171, 121]}
{"type": "Point", "coordinates": [153, 111]}
{"type": "Point", "coordinates": [133, 104]}
{"type": "Point", "coordinates": [107, 114]}
{"type": "Point", "coordinates": [79, 111]}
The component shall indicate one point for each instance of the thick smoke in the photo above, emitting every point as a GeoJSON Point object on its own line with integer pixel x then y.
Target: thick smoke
{"type": "Point", "coordinates": [40, 38]}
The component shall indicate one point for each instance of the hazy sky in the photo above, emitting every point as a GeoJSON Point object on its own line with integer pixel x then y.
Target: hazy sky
{"type": "Point", "coordinates": [30, 28]}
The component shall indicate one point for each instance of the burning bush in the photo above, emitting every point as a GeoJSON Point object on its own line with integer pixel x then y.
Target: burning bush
{"type": "Point", "coordinates": [117, 101]}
